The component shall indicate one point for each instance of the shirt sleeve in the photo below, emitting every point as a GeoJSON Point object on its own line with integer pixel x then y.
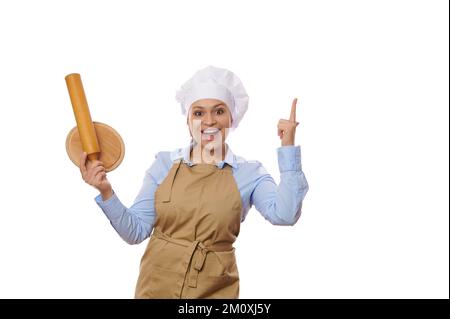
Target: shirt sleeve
{"type": "Point", "coordinates": [281, 204]}
{"type": "Point", "coordinates": [135, 224]}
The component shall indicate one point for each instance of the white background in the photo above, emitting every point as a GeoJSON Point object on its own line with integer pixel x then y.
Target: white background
{"type": "Point", "coordinates": [372, 82]}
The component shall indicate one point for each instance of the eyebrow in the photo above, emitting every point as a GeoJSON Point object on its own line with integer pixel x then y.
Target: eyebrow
{"type": "Point", "coordinates": [202, 107]}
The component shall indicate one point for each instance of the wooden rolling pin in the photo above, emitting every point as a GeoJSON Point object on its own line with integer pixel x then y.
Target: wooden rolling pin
{"type": "Point", "coordinates": [85, 126]}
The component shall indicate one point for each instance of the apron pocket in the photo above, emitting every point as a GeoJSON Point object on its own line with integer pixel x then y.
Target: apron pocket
{"type": "Point", "coordinates": [161, 283]}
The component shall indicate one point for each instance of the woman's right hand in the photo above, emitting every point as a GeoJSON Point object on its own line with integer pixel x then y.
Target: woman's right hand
{"type": "Point", "coordinates": [94, 174]}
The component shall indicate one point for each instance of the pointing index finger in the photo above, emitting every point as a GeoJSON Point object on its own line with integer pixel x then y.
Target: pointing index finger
{"type": "Point", "coordinates": [293, 109]}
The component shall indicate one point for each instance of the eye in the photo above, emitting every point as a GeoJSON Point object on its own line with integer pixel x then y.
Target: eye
{"type": "Point", "coordinates": [197, 113]}
{"type": "Point", "coordinates": [220, 111]}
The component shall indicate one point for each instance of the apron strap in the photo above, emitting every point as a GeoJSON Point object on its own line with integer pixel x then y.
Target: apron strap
{"type": "Point", "coordinates": [173, 172]}
{"type": "Point", "coordinates": [188, 259]}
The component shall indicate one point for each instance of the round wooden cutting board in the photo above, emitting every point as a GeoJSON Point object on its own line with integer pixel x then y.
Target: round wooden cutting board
{"type": "Point", "coordinates": [111, 145]}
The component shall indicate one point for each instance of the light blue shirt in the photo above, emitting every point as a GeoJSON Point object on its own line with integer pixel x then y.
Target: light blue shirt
{"type": "Point", "coordinates": [279, 204]}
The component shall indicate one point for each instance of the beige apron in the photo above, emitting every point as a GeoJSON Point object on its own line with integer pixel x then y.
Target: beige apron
{"type": "Point", "coordinates": [190, 253]}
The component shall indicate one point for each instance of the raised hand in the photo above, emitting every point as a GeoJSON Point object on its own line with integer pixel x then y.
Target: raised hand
{"type": "Point", "coordinates": [286, 128]}
{"type": "Point", "coordinates": [94, 174]}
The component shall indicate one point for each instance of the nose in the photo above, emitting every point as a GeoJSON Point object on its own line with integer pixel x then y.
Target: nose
{"type": "Point", "coordinates": [209, 119]}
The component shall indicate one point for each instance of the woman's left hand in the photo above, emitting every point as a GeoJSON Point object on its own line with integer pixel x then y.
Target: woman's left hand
{"type": "Point", "coordinates": [286, 128]}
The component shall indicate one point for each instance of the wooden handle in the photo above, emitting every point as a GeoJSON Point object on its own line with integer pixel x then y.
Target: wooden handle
{"type": "Point", "coordinates": [85, 126]}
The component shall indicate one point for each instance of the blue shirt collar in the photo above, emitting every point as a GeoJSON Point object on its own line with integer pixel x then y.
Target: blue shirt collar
{"type": "Point", "coordinates": [184, 154]}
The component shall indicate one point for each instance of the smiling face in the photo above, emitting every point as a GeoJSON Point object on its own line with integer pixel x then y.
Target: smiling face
{"type": "Point", "coordinates": [209, 120]}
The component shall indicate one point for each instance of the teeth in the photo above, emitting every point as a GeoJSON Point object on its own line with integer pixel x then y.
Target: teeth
{"type": "Point", "coordinates": [211, 131]}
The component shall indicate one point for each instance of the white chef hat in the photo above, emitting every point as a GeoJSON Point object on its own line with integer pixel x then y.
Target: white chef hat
{"type": "Point", "coordinates": [215, 83]}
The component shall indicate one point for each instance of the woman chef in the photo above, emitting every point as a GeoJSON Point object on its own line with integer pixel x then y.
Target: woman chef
{"type": "Point", "coordinates": [195, 198]}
